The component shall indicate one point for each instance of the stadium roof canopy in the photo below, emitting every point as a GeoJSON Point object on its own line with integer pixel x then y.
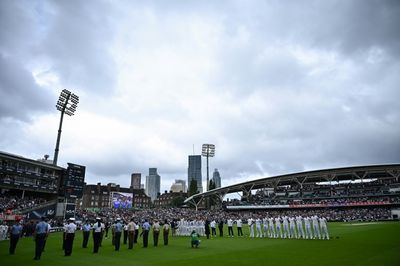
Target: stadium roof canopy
{"type": "Point", "coordinates": [303, 178]}
{"type": "Point", "coordinates": [6, 155]}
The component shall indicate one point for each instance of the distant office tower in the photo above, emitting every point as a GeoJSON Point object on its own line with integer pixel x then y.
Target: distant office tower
{"type": "Point", "coordinates": [136, 178]}
{"type": "Point", "coordinates": [194, 171]}
{"type": "Point", "coordinates": [152, 184]}
{"type": "Point", "coordinates": [216, 178]}
{"type": "Point", "coordinates": [178, 186]}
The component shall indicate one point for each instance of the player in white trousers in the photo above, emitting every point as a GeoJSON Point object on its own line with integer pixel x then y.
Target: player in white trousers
{"type": "Point", "coordinates": [299, 224]}
{"type": "Point", "coordinates": [272, 233]}
{"type": "Point", "coordinates": [250, 222]}
{"type": "Point", "coordinates": [285, 227]}
{"type": "Point", "coordinates": [292, 226]}
{"type": "Point", "coordinates": [324, 228]}
{"type": "Point", "coordinates": [229, 222]}
{"type": "Point", "coordinates": [258, 227]}
{"type": "Point", "coordinates": [307, 225]}
{"type": "Point", "coordinates": [201, 227]}
{"type": "Point", "coordinates": [239, 227]}
{"type": "Point", "coordinates": [213, 226]}
{"type": "Point", "coordinates": [278, 227]}
{"type": "Point", "coordinates": [315, 223]}
{"type": "Point", "coordinates": [265, 226]}
{"type": "Point", "coordinates": [3, 231]}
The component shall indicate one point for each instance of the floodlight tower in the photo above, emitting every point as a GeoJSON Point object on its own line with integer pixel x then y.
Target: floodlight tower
{"type": "Point", "coordinates": [208, 150]}
{"type": "Point", "coordinates": [67, 103]}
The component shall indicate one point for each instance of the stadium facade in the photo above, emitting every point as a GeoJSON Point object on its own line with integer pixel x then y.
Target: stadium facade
{"type": "Point", "coordinates": [58, 187]}
{"type": "Point", "coordinates": [358, 186]}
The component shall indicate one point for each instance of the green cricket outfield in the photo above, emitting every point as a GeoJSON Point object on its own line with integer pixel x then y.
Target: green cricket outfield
{"type": "Point", "coordinates": [350, 244]}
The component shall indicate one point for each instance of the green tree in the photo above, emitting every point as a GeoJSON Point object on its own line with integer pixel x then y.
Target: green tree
{"type": "Point", "coordinates": [211, 185]}
{"type": "Point", "coordinates": [193, 187]}
{"type": "Point", "coordinates": [177, 201]}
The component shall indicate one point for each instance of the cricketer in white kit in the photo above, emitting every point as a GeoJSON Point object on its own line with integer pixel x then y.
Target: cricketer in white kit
{"type": "Point", "coordinates": [324, 228]}
{"type": "Point", "coordinates": [307, 224]}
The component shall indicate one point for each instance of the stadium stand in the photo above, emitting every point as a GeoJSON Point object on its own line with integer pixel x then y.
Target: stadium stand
{"type": "Point", "coordinates": [367, 193]}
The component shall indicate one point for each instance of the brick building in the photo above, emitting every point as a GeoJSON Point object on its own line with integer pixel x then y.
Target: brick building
{"type": "Point", "coordinates": [99, 196]}
{"type": "Point", "coordinates": [170, 199]}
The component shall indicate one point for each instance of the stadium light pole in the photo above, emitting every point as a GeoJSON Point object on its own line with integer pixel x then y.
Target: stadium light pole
{"type": "Point", "coordinates": [208, 150]}
{"type": "Point", "coordinates": [66, 104]}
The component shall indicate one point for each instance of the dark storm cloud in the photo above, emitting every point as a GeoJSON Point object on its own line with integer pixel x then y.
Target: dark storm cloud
{"type": "Point", "coordinates": [77, 42]}
{"type": "Point", "coordinates": [71, 39]}
{"type": "Point", "coordinates": [269, 110]}
{"type": "Point", "coordinates": [352, 119]}
{"type": "Point", "coordinates": [352, 26]}
{"type": "Point", "coordinates": [347, 26]}
{"type": "Point", "coordinates": [19, 94]}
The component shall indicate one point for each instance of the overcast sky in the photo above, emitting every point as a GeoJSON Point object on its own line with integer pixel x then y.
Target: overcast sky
{"type": "Point", "coordinates": [277, 86]}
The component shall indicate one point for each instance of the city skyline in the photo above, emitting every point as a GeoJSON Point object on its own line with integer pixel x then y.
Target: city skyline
{"type": "Point", "coordinates": [277, 86]}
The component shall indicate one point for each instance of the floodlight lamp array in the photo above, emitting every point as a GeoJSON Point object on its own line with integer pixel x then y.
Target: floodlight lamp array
{"type": "Point", "coordinates": [208, 150]}
{"type": "Point", "coordinates": [67, 102]}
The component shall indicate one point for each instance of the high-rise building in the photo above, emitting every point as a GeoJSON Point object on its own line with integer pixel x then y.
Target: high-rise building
{"type": "Point", "coordinates": [152, 184]}
{"type": "Point", "coordinates": [178, 186]}
{"type": "Point", "coordinates": [216, 178]}
{"type": "Point", "coordinates": [136, 178]}
{"type": "Point", "coordinates": [194, 171]}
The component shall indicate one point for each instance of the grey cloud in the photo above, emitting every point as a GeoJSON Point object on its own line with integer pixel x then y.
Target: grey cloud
{"type": "Point", "coordinates": [68, 36]}
{"type": "Point", "coordinates": [18, 32]}
{"type": "Point", "coordinates": [350, 27]}
{"type": "Point", "coordinates": [313, 134]}
{"type": "Point", "coordinates": [313, 121]}
{"type": "Point", "coordinates": [346, 26]}
{"type": "Point", "coordinates": [244, 69]}
{"type": "Point", "coordinates": [361, 25]}
{"type": "Point", "coordinates": [20, 95]}
{"type": "Point", "coordinates": [77, 42]}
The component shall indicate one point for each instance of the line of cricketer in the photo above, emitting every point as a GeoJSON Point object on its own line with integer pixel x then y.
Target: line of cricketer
{"type": "Point", "coordinates": [282, 227]}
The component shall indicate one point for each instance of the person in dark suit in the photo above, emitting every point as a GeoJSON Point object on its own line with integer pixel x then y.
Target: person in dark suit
{"type": "Point", "coordinates": [125, 224]}
{"type": "Point", "coordinates": [173, 227]}
{"type": "Point", "coordinates": [207, 228]}
{"type": "Point", "coordinates": [221, 228]}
